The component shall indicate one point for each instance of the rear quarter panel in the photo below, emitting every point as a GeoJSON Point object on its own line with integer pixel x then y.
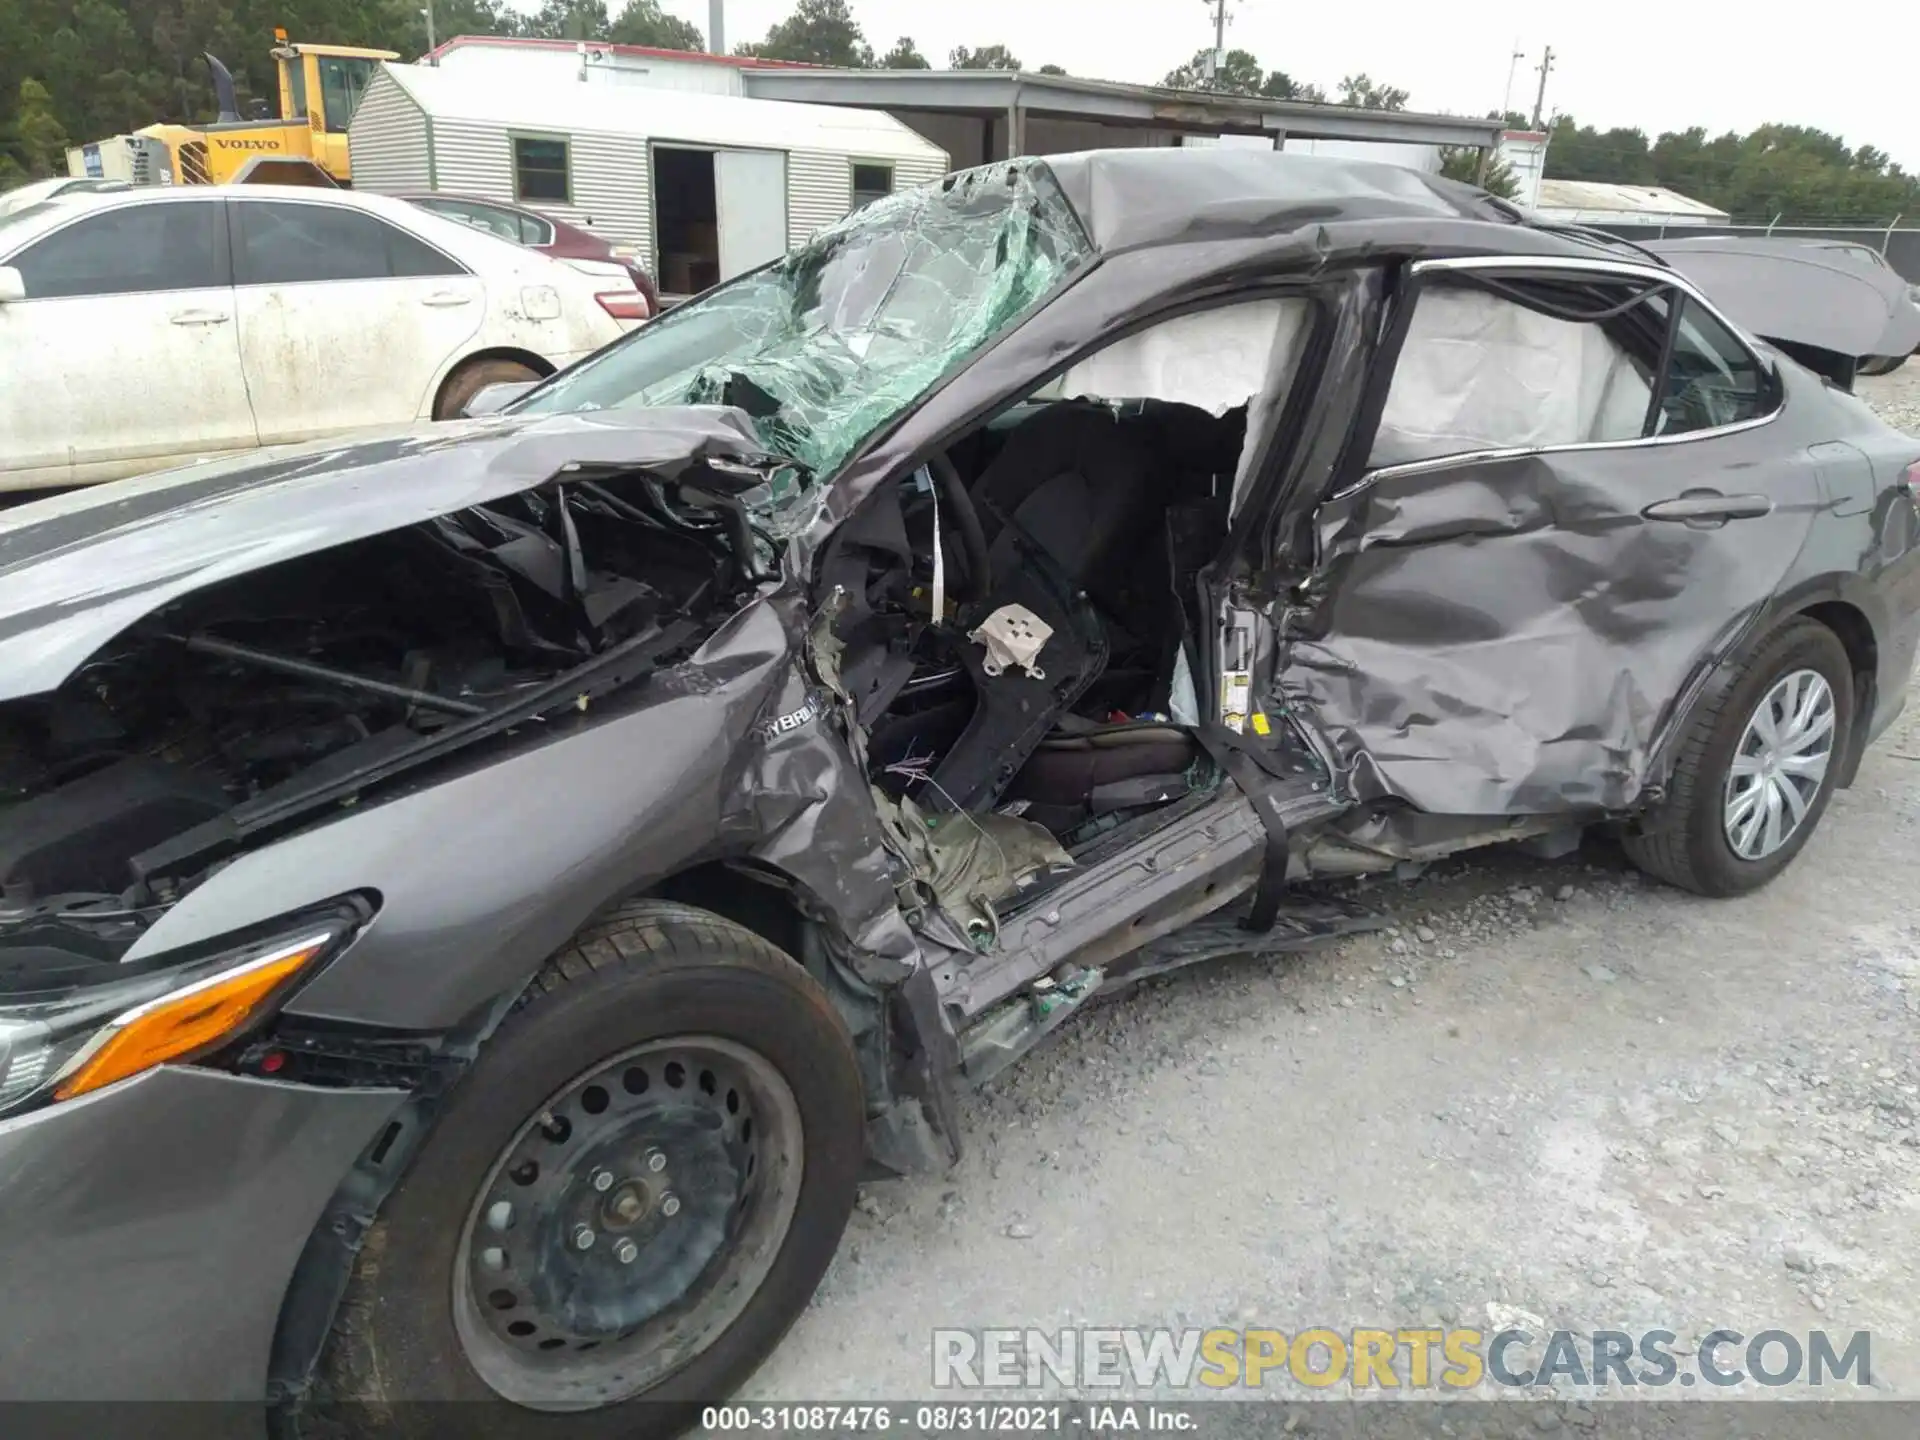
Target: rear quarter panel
{"type": "Point", "coordinates": [1865, 549]}
{"type": "Point", "coordinates": [547, 306]}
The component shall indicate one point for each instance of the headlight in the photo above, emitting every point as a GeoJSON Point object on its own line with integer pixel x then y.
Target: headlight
{"type": "Point", "coordinates": [84, 1039]}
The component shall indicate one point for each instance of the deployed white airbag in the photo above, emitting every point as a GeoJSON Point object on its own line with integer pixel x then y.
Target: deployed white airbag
{"type": "Point", "coordinates": [1214, 359]}
{"type": "Point", "coordinates": [1479, 372]}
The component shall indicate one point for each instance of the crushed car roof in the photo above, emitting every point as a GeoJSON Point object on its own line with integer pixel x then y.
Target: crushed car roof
{"type": "Point", "coordinates": [1129, 198]}
{"type": "Point", "coordinates": [77, 569]}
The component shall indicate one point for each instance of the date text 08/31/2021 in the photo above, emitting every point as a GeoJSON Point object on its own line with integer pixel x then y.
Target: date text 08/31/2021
{"type": "Point", "coordinates": [948, 1418]}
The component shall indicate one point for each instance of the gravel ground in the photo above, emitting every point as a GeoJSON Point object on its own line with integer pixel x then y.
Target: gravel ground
{"type": "Point", "coordinates": [1554, 1092]}
{"type": "Point", "coordinates": [1896, 396]}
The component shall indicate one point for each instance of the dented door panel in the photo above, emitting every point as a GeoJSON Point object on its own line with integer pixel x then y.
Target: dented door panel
{"type": "Point", "coordinates": [1510, 635]}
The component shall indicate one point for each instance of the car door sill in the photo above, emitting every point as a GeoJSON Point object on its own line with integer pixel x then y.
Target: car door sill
{"type": "Point", "coordinates": [1195, 865]}
{"type": "Point", "coordinates": [1170, 901]}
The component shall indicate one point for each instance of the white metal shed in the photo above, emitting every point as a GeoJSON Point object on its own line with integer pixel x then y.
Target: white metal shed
{"type": "Point", "coordinates": [704, 186]}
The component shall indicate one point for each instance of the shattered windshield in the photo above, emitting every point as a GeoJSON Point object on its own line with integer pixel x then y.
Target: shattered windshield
{"type": "Point", "coordinates": [845, 333]}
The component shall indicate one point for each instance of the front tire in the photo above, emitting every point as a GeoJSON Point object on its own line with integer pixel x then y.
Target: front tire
{"type": "Point", "coordinates": [630, 1198]}
{"type": "Point", "coordinates": [1756, 769]}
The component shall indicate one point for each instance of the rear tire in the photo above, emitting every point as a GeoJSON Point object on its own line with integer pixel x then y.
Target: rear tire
{"type": "Point", "coordinates": [1690, 841]}
{"type": "Point", "coordinates": [471, 378]}
{"type": "Point", "coordinates": [654, 975]}
{"type": "Point", "coordinates": [1879, 364]}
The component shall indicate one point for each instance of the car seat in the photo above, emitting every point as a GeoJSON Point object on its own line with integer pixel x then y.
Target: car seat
{"type": "Point", "coordinates": [1076, 480]}
{"type": "Point", "coordinates": [1084, 769]}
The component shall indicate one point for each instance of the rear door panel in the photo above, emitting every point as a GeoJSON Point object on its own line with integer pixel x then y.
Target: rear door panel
{"type": "Point", "coordinates": [1511, 636]}
{"type": "Point", "coordinates": [1516, 630]}
{"type": "Point", "coordinates": [338, 329]}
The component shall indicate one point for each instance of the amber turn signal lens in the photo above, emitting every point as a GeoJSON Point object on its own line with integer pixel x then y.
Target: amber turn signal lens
{"type": "Point", "coordinates": [185, 1022]}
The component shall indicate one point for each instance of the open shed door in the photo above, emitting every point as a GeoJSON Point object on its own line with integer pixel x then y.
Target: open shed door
{"type": "Point", "coordinates": [750, 188]}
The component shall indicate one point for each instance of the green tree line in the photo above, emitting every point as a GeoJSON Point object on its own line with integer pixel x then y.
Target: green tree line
{"type": "Point", "coordinates": [1790, 171]}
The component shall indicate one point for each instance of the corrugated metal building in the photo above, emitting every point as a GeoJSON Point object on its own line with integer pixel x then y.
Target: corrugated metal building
{"type": "Point", "coordinates": [1587, 202]}
{"type": "Point", "coordinates": [516, 60]}
{"type": "Point", "coordinates": [707, 186]}
{"type": "Point", "coordinates": [979, 115]}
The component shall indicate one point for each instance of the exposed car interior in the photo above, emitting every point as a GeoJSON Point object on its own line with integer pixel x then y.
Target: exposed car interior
{"type": "Point", "coordinates": [1083, 516]}
{"type": "Point", "coordinates": [352, 663]}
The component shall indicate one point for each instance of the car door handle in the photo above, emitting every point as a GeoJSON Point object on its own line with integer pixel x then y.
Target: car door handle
{"type": "Point", "coordinates": [1709, 509]}
{"type": "Point", "coordinates": [446, 297]}
{"type": "Point", "coordinates": [199, 317]}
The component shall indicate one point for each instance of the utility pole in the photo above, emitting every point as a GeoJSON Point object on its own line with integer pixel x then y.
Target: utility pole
{"type": "Point", "coordinates": [1513, 64]}
{"type": "Point", "coordinates": [1540, 96]}
{"type": "Point", "coordinates": [717, 26]}
{"type": "Point", "coordinates": [427, 11]}
{"type": "Point", "coordinates": [1219, 8]}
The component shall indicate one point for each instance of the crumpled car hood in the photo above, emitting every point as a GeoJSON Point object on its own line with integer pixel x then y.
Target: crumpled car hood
{"type": "Point", "coordinates": [77, 569]}
{"type": "Point", "coordinates": [1800, 294]}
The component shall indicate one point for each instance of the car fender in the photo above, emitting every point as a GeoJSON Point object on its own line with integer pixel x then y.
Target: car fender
{"type": "Point", "coordinates": [483, 873]}
{"type": "Point", "coordinates": [1716, 672]}
{"type": "Point", "coordinates": [733, 756]}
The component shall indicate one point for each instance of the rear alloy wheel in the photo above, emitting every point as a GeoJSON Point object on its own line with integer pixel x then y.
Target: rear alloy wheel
{"type": "Point", "coordinates": [1780, 765]}
{"type": "Point", "coordinates": [1756, 771]}
{"type": "Point", "coordinates": [626, 1202]}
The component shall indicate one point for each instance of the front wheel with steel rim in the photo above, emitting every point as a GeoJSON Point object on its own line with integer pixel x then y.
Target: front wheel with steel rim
{"type": "Point", "coordinates": [1756, 768]}
{"type": "Point", "coordinates": [629, 1199]}
{"type": "Point", "coordinates": [628, 1222]}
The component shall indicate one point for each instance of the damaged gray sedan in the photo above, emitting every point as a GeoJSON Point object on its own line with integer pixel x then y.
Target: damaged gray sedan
{"type": "Point", "coordinates": [476, 903]}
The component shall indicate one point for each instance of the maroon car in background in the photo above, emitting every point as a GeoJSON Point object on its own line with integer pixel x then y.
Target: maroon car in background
{"type": "Point", "coordinates": [550, 236]}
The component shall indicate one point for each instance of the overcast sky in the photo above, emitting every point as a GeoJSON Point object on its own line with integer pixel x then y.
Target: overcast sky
{"type": "Point", "coordinates": [1721, 65]}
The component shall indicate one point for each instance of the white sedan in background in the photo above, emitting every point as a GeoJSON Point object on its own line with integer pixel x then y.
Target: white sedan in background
{"type": "Point", "coordinates": [143, 328]}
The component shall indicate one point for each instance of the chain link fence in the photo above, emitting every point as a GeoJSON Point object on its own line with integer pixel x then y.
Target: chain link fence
{"type": "Point", "coordinates": [1899, 244]}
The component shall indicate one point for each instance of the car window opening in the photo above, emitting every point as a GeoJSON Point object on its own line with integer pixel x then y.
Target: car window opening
{"type": "Point", "coordinates": [128, 250]}
{"type": "Point", "coordinates": [295, 242]}
{"type": "Point", "coordinates": [1712, 379]}
{"type": "Point", "coordinates": [1089, 507]}
{"type": "Point", "coordinates": [1492, 363]}
{"type": "Point", "coordinates": [826, 345]}
{"type": "Point", "coordinates": [488, 219]}
{"type": "Point", "coordinates": [1508, 367]}
{"type": "Point", "coordinates": [287, 692]}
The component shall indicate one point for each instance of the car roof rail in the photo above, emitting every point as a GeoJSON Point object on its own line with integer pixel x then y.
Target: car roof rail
{"type": "Point", "coordinates": [1601, 238]}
